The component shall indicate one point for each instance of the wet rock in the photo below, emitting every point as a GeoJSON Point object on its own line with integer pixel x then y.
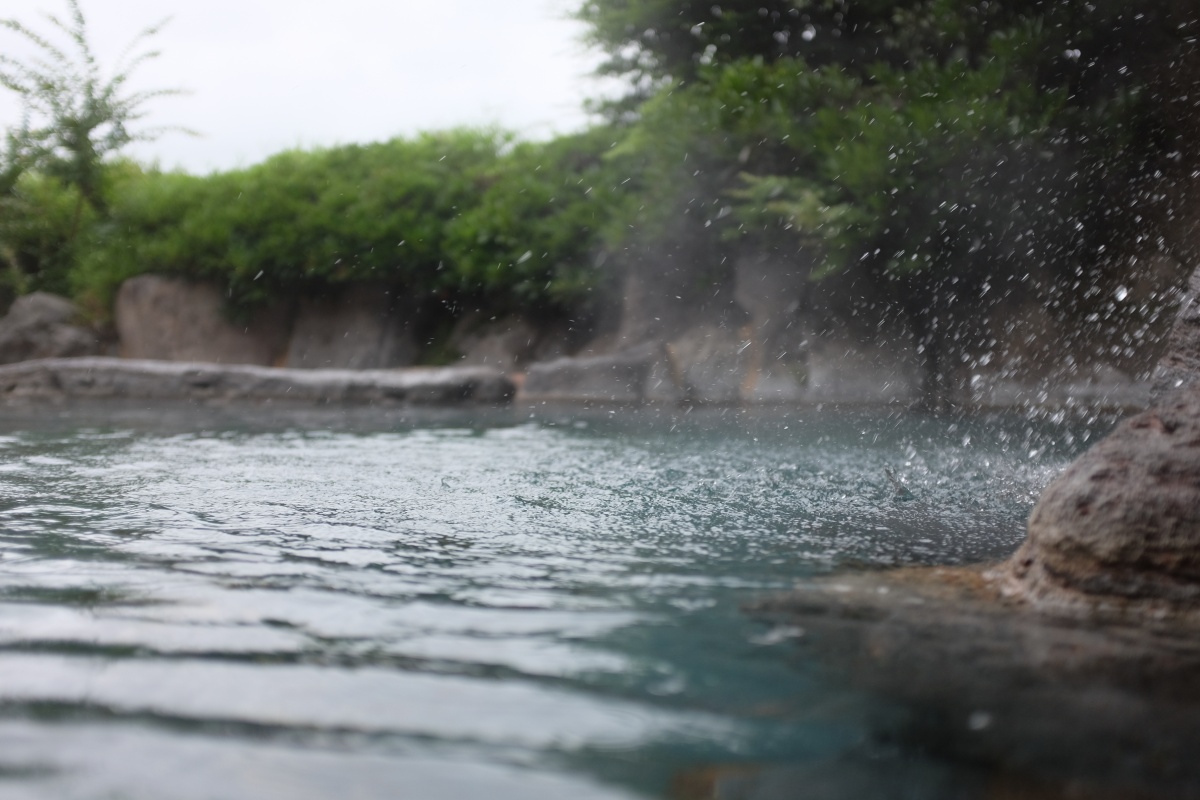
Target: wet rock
{"type": "Point", "coordinates": [42, 325]}
{"type": "Point", "coordinates": [1123, 521]}
{"type": "Point", "coordinates": [617, 378]}
{"type": "Point", "coordinates": [172, 319]}
{"type": "Point", "coordinates": [1104, 706]}
{"type": "Point", "coordinates": [359, 327]}
{"type": "Point", "coordinates": [127, 379]}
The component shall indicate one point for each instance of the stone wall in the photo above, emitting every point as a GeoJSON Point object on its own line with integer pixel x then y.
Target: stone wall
{"type": "Point", "coordinates": [171, 319]}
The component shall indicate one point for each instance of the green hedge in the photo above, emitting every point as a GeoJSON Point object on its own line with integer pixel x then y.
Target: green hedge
{"type": "Point", "coordinates": [457, 217]}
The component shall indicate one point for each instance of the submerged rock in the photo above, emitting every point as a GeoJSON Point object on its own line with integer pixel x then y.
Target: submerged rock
{"type": "Point", "coordinates": [1103, 706]}
{"type": "Point", "coordinates": [42, 325]}
{"type": "Point", "coordinates": [1074, 663]}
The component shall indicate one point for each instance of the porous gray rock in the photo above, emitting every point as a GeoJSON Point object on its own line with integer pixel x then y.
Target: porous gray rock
{"type": "Point", "coordinates": [42, 325]}
{"type": "Point", "coordinates": [172, 319]}
{"type": "Point", "coordinates": [359, 327]}
{"type": "Point", "coordinates": [1122, 521]}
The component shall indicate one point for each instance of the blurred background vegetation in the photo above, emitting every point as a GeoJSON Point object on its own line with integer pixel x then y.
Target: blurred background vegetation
{"type": "Point", "coordinates": [955, 153]}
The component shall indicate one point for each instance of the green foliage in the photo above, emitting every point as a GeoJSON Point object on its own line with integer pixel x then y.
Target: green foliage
{"type": "Point", "coordinates": [949, 136]}
{"type": "Point", "coordinates": [73, 116]}
{"type": "Point", "coordinates": [531, 234]}
{"type": "Point", "coordinates": [459, 214]}
{"type": "Point", "coordinates": [939, 146]}
{"type": "Point", "coordinates": [39, 219]}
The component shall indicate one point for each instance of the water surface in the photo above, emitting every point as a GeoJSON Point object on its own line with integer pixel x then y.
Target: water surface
{"type": "Point", "coordinates": [507, 604]}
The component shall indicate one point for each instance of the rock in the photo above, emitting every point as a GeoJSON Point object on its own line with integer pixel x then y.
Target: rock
{"type": "Point", "coordinates": [1102, 708]}
{"type": "Point", "coordinates": [776, 382]}
{"type": "Point", "coordinates": [663, 384]}
{"type": "Point", "coordinates": [360, 327]}
{"type": "Point", "coordinates": [127, 379]}
{"type": "Point", "coordinates": [1123, 521]}
{"type": "Point", "coordinates": [618, 378]}
{"type": "Point", "coordinates": [773, 290]}
{"type": "Point", "coordinates": [709, 364]}
{"type": "Point", "coordinates": [675, 282]}
{"type": "Point", "coordinates": [177, 320]}
{"type": "Point", "coordinates": [1180, 366]}
{"type": "Point", "coordinates": [508, 344]}
{"type": "Point", "coordinates": [41, 325]}
{"type": "Point", "coordinates": [844, 370]}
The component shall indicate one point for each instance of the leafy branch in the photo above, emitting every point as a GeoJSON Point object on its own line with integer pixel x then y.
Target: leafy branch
{"type": "Point", "coordinates": [74, 116]}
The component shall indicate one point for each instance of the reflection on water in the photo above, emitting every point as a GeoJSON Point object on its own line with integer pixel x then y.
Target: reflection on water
{"type": "Point", "coordinates": [224, 604]}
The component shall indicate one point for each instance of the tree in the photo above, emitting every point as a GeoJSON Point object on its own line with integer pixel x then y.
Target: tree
{"type": "Point", "coordinates": [951, 151]}
{"type": "Point", "coordinates": [74, 116]}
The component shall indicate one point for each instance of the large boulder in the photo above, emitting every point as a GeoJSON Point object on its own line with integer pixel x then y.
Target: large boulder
{"type": "Point", "coordinates": [1124, 519]}
{"type": "Point", "coordinates": [709, 364]}
{"type": "Point", "coordinates": [172, 319]}
{"type": "Point", "coordinates": [848, 369]}
{"type": "Point", "coordinates": [360, 327]}
{"type": "Point", "coordinates": [773, 290]}
{"type": "Point", "coordinates": [507, 343]}
{"type": "Point", "coordinates": [42, 325]}
{"type": "Point", "coordinates": [624, 377]}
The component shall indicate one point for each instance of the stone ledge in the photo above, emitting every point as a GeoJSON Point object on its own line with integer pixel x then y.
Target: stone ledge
{"type": "Point", "coordinates": [1098, 698]}
{"type": "Point", "coordinates": [128, 379]}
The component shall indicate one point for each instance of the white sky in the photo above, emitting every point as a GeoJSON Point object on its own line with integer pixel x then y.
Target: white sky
{"type": "Point", "coordinates": [268, 75]}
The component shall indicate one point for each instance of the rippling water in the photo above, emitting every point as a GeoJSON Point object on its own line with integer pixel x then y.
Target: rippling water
{"type": "Point", "coordinates": [200, 604]}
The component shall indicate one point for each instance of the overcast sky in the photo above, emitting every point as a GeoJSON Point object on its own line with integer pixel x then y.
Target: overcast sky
{"type": "Point", "coordinates": [268, 75]}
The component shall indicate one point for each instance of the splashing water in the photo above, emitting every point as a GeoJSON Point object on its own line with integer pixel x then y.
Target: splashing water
{"type": "Point", "coordinates": [243, 604]}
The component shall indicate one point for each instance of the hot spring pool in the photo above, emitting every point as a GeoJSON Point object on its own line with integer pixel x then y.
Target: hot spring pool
{"type": "Point", "coordinates": [504, 604]}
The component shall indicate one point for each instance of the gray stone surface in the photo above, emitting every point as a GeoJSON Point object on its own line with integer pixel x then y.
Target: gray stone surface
{"type": "Point", "coordinates": [1050, 706]}
{"type": "Point", "coordinates": [618, 378]}
{"type": "Point", "coordinates": [773, 290]}
{"type": "Point", "coordinates": [508, 343]}
{"type": "Point", "coordinates": [709, 364]}
{"type": "Point", "coordinates": [1124, 519]}
{"type": "Point", "coordinates": [359, 327]}
{"type": "Point", "coordinates": [845, 370]}
{"type": "Point", "coordinates": [41, 325]}
{"type": "Point", "coordinates": [127, 379]}
{"type": "Point", "coordinates": [177, 320]}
